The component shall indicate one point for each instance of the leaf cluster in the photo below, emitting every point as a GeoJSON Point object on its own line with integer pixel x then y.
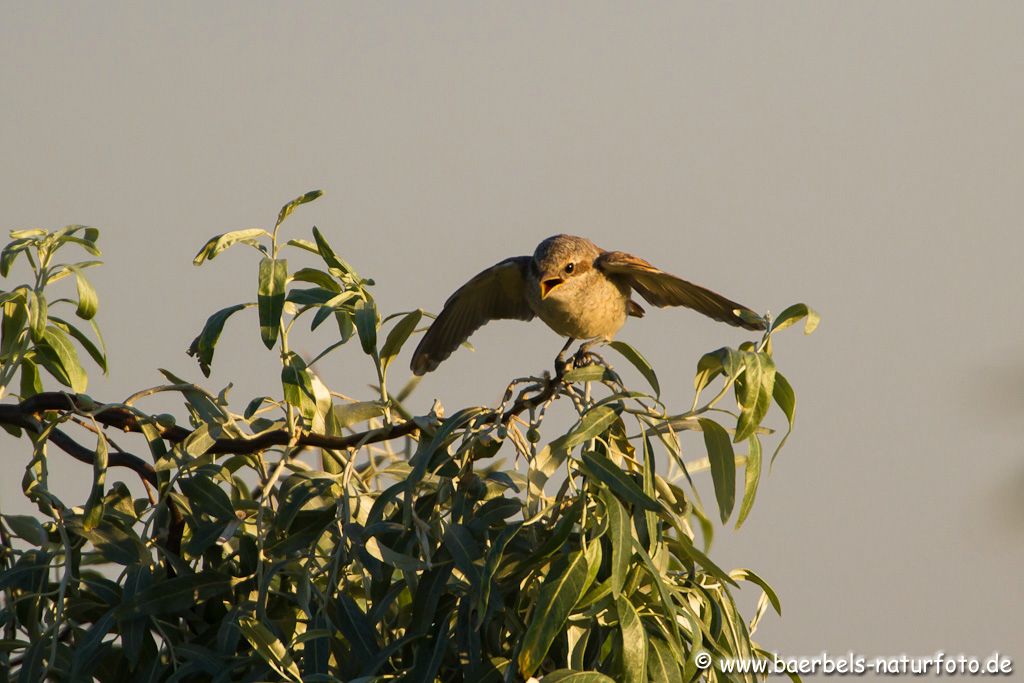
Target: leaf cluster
{"type": "Point", "coordinates": [368, 543]}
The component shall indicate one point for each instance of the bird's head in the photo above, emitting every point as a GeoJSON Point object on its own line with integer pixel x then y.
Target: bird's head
{"type": "Point", "coordinates": [561, 260]}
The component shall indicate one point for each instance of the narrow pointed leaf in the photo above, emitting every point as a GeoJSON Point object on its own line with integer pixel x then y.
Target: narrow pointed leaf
{"type": "Point", "coordinates": [397, 337]}
{"type": "Point", "coordinates": [97, 353]}
{"type": "Point", "coordinates": [759, 380]}
{"type": "Point", "coordinates": [639, 362]}
{"type": "Point", "coordinates": [221, 242]}
{"type": "Point", "coordinates": [795, 313]}
{"type": "Point", "coordinates": [748, 575]}
{"type": "Point", "coordinates": [366, 325]}
{"type": "Point", "coordinates": [785, 398]}
{"type": "Point", "coordinates": [94, 506]}
{"type": "Point", "coordinates": [620, 535]}
{"type": "Point", "coordinates": [570, 676]}
{"type": "Point", "coordinates": [270, 648]}
{"type": "Point", "coordinates": [270, 298]}
{"type": "Point", "coordinates": [562, 587]}
{"type": "Point", "coordinates": [752, 476]}
{"type": "Point", "coordinates": [287, 209]}
{"type": "Point", "coordinates": [88, 302]}
{"type": "Point", "coordinates": [63, 353]}
{"type": "Point", "coordinates": [203, 346]}
{"type": "Point", "coordinates": [723, 465]}
{"type": "Point", "coordinates": [356, 628]}
{"type": "Point", "coordinates": [604, 470]}
{"type": "Point", "coordinates": [327, 254]}
{"type": "Point", "coordinates": [593, 423]}
{"type": "Point", "coordinates": [634, 642]}
{"type": "Point", "coordinates": [37, 314]}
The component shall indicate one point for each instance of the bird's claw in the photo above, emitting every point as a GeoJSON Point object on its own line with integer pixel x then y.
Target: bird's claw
{"type": "Point", "coordinates": [584, 358]}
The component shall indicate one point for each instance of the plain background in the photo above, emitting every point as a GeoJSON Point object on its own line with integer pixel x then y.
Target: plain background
{"type": "Point", "coordinates": [864, 157]}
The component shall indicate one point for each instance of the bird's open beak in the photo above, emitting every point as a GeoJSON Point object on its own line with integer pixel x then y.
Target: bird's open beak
{"type": "Point", "coordinates": [547, 285]}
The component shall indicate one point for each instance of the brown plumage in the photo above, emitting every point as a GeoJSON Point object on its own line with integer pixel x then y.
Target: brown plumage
{"type": "Point", "coordinates": [579, 290]}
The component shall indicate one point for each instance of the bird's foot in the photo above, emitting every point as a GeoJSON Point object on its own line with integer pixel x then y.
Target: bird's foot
{"type": "Point", "coordinates": [583, 358]}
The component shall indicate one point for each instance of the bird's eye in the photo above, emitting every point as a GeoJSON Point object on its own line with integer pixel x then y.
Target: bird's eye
{"type": "Point", "coordinates": [569, 267]}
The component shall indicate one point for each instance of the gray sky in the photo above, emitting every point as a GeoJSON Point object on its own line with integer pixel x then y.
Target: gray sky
{"type": "Point", "coordinates": [865, 157]}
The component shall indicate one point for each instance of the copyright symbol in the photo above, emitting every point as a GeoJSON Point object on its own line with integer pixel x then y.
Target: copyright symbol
{"type": "Point", "coordinates": [703, 661]}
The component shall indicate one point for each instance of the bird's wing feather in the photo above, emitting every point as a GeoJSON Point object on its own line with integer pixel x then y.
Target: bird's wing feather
{"type": "Point", "coordinates": [664, 289]}
{"type": "Point", "coordinates": [495, 294]}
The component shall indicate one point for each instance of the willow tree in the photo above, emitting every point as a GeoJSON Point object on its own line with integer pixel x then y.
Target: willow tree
{"type": "Point", "coordinates": [475, 545]}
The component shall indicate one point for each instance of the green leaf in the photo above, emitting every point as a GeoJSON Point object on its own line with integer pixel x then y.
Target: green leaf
{"type": "Point", "coordinates": [94, 506]}
{"type": "Point", "coordinates": [29, 572]}
{"type": "Point", "coordinates": [270, 298]}
{"type": "Point", "coordinates": [723, 465]}
{"type": "Point", "coordinates": [794, 314]}
{"type": "Point", "coordinates": [296, 493]}
{"type": "Point", "coordinates": [317, 277]}
{"type": "Point", "coordinates": [11, 251]}
{"type": "Point", "coordinates": [97, 353]}
{"type": "Point", "coordinates": [356, 628]}
{"type": "Point", "coordinates": [563, 586]}
{"type": "Point", "coordinates": [755, 393]}
{"type": "Point", "coordinates": [426, 667]}
{"type": "Point", "coordinates": [28, 232]}
{"type": "Point", "coordinates": [332, 260]}
{"type": "Point", "coordinates": [58, 356]}
{"type": "Point", "coordinates": [366, 325]}
{"type": "Point", "coordinates": [593, 423]}
{"type": "Point", "coordinates": [270, 648]}
{"type": "Point", "coordinates": [87, 652]}
{"type": "Point", "coordinates": [620, 535]}
{"type": "Point", "coordinates": [748, 575]}
{"type": "Point", "coordinates": [334, 305]}
{"type": "Point", "coordinates": [348, 414]}
{"type": "Point", "coordinates": [88, 302]}
{"type": "Point", "coordinates": [15, 317]}
{"type": "Point", "coordinates": [720, 361]}
{"type": "Point", "coordinates": [465, 551]}
{"type": "Point", "coordinates": [134, 631]}
{"type": "Point", "coordinates": [397, 337]}
{"type": "Point", "coordinates": [179, 594]}
{"type": "Point", "coordinates": [634, 642]}
{"type": "Point", "coordinates": [297, 382]}
{"type": "Point", "coordinates": [31, 384]}
{"type": "Point", "coordinates": [785, 398]}
{"type": "Point", "coordinates": [312, 296]}
{"type": "Point", "coordinates": [117, 545]}
{"type": "Point", "coordinates": [88, 245]}
{"type": "Point", "coordinates": [37, 314]}
{"type": "Point", "coordinates": [752, 476]}
{"type": "Point", "coordinates": [221, 242]}
{"type": "Point", "coordinates": [492, 563]}
{"type": "Point", "coordinates": [26, 528]}
{"type": "Point", "coordinates": [298, 201]}
{"type": "Point", "coordinates": [639, 362]}
{"type": "Point", "coordinates": [570, 676]}
{"type": "Point", "coordinates": [204, 495]}
{"type": "Point", "coordinates": [687, 547]}
{"type": "Point", "coordinates": [604, 470]}
{"type": "Point", "coordinates": [588, 373]}
{"type": "Point", "coordinates": [205, 343]}
{"type": "Point", "coordinates": [662, 666]}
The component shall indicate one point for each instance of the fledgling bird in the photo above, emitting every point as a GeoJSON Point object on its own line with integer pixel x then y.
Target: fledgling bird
{"type": "Point", "coordinates": [580, 290]}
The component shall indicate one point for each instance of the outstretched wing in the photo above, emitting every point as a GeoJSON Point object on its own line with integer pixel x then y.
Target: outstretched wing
{"type": "Point", "coordinates": [496, 293]}
{"type": "Point", "coordinates": [664, 289]}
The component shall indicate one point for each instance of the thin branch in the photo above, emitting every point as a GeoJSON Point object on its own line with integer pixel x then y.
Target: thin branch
{"type": "Point", "coordinates": [116, 416]}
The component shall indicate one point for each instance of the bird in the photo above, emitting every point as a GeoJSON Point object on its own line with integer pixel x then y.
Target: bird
{"type": "Point", "coordinates": [579, 290]}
